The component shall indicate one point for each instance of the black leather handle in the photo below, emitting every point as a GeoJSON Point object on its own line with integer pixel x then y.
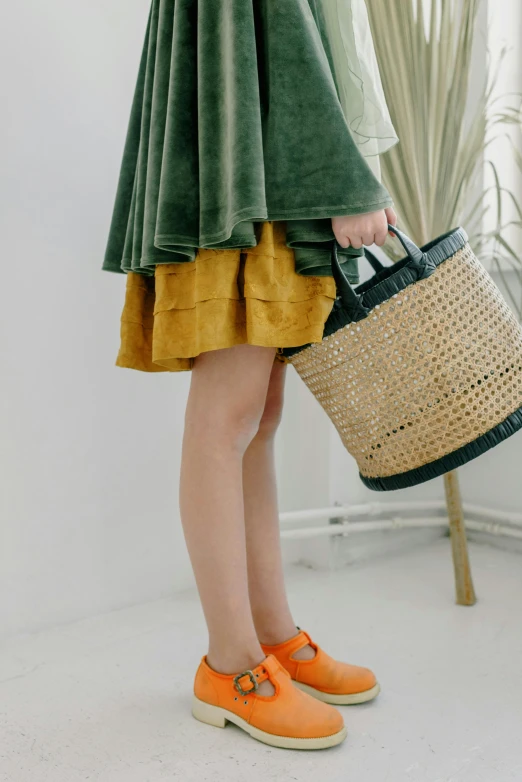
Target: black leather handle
{"type": "Point", "coordinates": [352, 302]}
{"type": "Point", "coordinates": [413, 252]}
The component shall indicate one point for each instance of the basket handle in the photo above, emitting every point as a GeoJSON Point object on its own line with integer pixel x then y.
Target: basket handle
{"type": "Point", "coordinates": [413, 252]}
{"type": "Point", "coordinates": [353, 302]}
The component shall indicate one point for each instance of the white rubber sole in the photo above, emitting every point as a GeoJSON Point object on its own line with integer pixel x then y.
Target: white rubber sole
{"type": "Point", "coordinates": [214, 715]}
{"type": "Point", "coordinates": [340, 700]}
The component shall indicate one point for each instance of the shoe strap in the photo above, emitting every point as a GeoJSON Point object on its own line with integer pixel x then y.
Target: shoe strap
{"type": "Point", "coordinates": [248, 681]}
{"type": "Point", "coordinates": [296, 643]}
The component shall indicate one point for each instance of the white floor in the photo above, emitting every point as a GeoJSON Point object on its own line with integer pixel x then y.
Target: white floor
{"type": "Point", "coordinates": [108, 699]}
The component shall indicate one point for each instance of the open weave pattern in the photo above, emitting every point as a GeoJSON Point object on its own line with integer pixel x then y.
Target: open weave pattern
{"type": "Point", "coordinates": [427, 372]}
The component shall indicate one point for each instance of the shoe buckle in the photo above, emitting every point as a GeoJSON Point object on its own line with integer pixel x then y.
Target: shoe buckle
{"type": "Point", "coordinates": [252, 678]}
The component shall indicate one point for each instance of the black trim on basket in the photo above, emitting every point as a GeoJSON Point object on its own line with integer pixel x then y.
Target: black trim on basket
{"type": "Point", "coordinates": [391, 280]}
{"type": "Point", "coordinates": [451, 461]}
{"type": "Point", "coordinates": [395, 278]}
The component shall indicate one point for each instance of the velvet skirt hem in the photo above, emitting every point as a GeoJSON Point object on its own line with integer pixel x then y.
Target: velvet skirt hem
{"type": "Point", "coordinates": [236, 118]}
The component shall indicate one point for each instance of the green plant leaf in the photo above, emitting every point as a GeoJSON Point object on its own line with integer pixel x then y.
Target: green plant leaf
{"type": "Point", "coordinates": [436, 173]}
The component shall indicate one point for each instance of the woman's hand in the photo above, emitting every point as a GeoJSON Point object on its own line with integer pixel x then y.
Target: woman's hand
{"type": "Point", "coordinates": [366, 229]}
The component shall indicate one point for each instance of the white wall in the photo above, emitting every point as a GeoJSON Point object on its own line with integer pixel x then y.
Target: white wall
{"type": "Point", "coordinates": [505, 32]}
{"type": "Point", "coordinates": [90, 452]}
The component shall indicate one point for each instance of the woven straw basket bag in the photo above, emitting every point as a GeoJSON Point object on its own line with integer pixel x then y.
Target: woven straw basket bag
{"type": "Point", "coordinates": [420, 369]}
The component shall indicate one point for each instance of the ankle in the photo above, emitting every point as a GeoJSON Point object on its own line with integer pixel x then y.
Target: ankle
{"type": "Point", "coordinates": [274, 633]}
{"type": "Point", "coordinates": [234, 660]}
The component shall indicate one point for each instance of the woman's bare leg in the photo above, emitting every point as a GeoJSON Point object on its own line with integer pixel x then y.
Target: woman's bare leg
{"type": "Point", "coordinates": [272, 616]}
{"type": "Point", "coordinates": [225, 406]}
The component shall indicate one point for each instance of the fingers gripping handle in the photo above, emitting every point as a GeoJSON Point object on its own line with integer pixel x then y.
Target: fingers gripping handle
{"type": "Point", "coordinates": [352, 302]}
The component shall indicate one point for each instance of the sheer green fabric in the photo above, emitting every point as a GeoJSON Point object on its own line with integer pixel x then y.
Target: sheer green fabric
{"type": "Point", "coordinates": [359, 82]}
{"type": "Point", "coordinates": [236, 119]}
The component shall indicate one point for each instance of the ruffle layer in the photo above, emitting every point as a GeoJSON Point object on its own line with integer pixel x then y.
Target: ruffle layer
{"type": "Point", "coordinates": [236, 119]}
{"type": "Point", "coordinates": [223, 298]}
{"type": "Point", "coordinates": [357, 74]}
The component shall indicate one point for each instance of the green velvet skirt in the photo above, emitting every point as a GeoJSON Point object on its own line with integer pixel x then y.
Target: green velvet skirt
{"type": "Point", "coordinates": [236, 119]}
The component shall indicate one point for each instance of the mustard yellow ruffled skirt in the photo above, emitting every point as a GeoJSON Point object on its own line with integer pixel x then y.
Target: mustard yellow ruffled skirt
{"type": "Point", "coordinates": [223, 298]}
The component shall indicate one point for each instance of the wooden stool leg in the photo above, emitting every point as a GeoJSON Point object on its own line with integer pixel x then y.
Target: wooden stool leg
{"type": "Point", "coordinates": [459, 544]}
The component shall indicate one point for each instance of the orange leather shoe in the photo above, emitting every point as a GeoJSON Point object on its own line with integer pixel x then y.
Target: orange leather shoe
{"type": "Point", "coordinates": [322, 676]}
{"type": "Point", "coordinates": [289, 718]}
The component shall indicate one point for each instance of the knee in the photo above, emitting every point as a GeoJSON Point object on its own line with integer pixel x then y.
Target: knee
{"type": "Point", "coordinates": [241, 425]}
{"type": "Point", "coordinates": [234, 414]}
{"type": "Point", "coordinates": [272, 414]}
{"type": "Point", "coordinates": [232, 424]}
